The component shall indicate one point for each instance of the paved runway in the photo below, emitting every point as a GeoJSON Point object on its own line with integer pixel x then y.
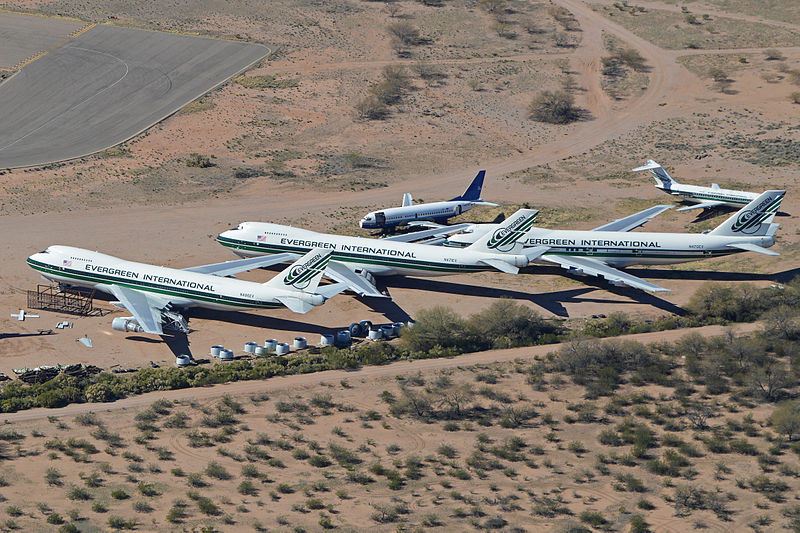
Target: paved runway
{"type": "Point", "coordinates": [104, 87]}
{"type": "Point", "coordinates": [22, 36]}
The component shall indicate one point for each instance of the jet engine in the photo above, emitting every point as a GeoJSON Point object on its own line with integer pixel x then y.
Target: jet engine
{"type": "Point", "coordinates": [126, 323]}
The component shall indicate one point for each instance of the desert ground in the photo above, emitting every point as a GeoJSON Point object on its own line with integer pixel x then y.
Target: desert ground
{"type": "Point", "coordinates": [287, 145]}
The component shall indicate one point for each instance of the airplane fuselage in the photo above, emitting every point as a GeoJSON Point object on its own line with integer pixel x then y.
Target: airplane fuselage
{"type": "Point", "coordinates": [396, 216]}
{"type": "Point", "coordinates": [621, 249]}
{"type": "Point", "coordinates": [84, 268]}
{"type": "Point", "coordinates": [698, 194]}
{"type": "Point", "coordinates": [379, 257]}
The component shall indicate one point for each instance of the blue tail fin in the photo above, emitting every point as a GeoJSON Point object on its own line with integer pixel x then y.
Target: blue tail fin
{"type": "Point", "coordinates": [473, 192]}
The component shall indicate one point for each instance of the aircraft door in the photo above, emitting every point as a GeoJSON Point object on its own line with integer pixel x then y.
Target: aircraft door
{"type": "Point", "coordinates": [458, 209]}
{"type": "Point", "coordinates": [380, 218]}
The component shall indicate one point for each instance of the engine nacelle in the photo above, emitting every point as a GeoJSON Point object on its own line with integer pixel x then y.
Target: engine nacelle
{"type": "Point", "coordinates": [576, 271]}
{"type": "Point", "coordinates": [313, 299]}
{"type": "Point", "coordinates": [126, 323]}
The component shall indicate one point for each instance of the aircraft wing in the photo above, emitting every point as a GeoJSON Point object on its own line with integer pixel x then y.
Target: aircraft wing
{"type": "Point", "coordinates": [439, 231]}
{"type": "Point", "coordinates": [708, 204]}
{"type": "Point", "coordinates": [145, 309]}
{"type": "Point", "coordinates": [359, 284]}
{"type": "Point", "coordinates": [634, 221]}
{"type": "Point", "coordinates": [229, 268]}
{"type": "Point", "coordinates": [591, 267]}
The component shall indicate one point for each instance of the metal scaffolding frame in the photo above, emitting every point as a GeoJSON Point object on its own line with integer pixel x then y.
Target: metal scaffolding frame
{"type": "Point", "coordinates": [63, 300]}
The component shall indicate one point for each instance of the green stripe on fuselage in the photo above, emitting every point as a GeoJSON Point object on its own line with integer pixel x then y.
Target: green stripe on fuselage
{"type": "Point", "coordinates": [426, 266]}
{"type": "Point", "coordinates": [151, 287]}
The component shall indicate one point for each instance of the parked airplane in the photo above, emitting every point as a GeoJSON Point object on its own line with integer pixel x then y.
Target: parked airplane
{"type": "Point", "coordinates": [154, 295]}
{"type": "Point", "coordinates": [596, 252]}
{"type": "Point", "coordinates": [436, 211]}
{"type": "Point", "coordinates": [356, 259]}
{"type": "Point", "coordinates": [704, 197]}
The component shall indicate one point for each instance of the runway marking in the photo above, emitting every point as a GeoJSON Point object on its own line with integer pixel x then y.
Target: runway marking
{"type": "Point", "coordinates": [28, 61]}
{"type": "Point", "coordinates": [83, 30]}
{"type": "Point", "coordinates": [81, 102]}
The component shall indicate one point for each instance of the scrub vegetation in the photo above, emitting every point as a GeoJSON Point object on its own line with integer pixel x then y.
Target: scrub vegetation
{"type": "Point", "coordinates": [438, 332]}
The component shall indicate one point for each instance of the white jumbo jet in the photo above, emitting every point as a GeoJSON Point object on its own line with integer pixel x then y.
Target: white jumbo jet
{"type": "Point", "coordinates": [356, 260]}
{"type": "Point", "coordinates": [596, 252]}
{"type": "Point", "coordinates": [434, 211]}
{"type": "Point", "coordinates": [703, 197]}
{"type": "Point", "coordinates": [154, 294]}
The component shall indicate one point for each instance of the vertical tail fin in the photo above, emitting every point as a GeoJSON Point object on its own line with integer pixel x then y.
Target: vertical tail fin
{"type": "Point", "coordinates": [304, 274]}
{"type": "Point", "coordinates": [754, 219]}
{"type": "Point", "coordinates": [505, 239]}
{"type": "Point", "coordinates": [473, 192]}
{"type": "Point", "coordinates": [663, 179]}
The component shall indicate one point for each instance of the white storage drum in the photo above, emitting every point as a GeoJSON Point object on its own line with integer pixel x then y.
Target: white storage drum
{"type": "Point", "coordinates": [375, 334]}
{"type": "Point", "coordinates": [250, 347]}
{"type": "Point", "coordinates": [269, 344]}
{"type": "Point", "coordinates": [260, 350]}
{"type": "Point", "coordinates": [182, 360]}
{"type": "Point", "coordinates": [215, 350]}
{"type": "Point", "coordinates": [281, 348]}
{"type": "Point", "coordinates": [299, 343]}
{"type": "Point", "coordinates": [326, 339]}
{"type": "Point", "coordinates": [226, 355]}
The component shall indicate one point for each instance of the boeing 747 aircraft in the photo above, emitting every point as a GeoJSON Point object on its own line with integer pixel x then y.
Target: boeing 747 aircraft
{"type": "Point", "coordinates": [435, 211]}
{"type": "Point", "coordinates": [356, 259]}
{"type": "Point", "coordinates": [596, 252]}
{"type": "Point", "coordinates": [703, 197]}
{"type": "Point", "coordinates": [154, 294]}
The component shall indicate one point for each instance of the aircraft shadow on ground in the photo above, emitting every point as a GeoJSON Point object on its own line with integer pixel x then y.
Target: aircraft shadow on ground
{"type": "Point", "coordinates": [17, 335]}
{"type": "Point", "coordinates": [550, 301]}
{"type": "Point", "coordinates": [712, 275]}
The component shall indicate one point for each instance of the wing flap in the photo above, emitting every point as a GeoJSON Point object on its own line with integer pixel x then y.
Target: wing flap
{"type": "Point", "coordinates": [359, 284]}
{"type": "Point", "coordinates": [145, 310]}
{"type": "Point", "coordinates": [634, 221]}
{"type": "Point", "coordinates": [595, 268]}
{"type": "Point", "coordinates": [229, 268]}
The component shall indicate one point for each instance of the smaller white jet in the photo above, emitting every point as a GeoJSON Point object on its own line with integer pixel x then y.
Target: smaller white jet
{"type": "Point", "coordinates": [154, 295]}
{"type": "Point", "coordinates": [702, 197]}
{"type": "Point", "coordinates": [434, 211]}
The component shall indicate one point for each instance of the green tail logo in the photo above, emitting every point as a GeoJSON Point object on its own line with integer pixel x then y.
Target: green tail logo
{"type": "Point", "coordinates": [748, 221]}
{"type": "Point", "coordinates": [300, 276]}
{"type": "Point", "coordinates": [504, 239]}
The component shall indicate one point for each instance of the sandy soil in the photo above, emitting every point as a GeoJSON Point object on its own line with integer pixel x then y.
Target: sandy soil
{"type": "Point", "coordinates": [144, 203]}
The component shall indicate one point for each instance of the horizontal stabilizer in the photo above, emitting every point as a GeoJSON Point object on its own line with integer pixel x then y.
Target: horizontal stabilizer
{"type": "Point", "coordinates": [500, 265]}
{"type": "Point", "coordinates": [407, 200]}
{"type": "Point", "coordinates": [329, 291]}
{"type": "Point", "coordinates": [482, 202]}
{"type": "Point", "coordinates": [534, 252]}
{"type": "Point", "coordinates": [750, 247]}
{"type": "Point", "coordinates": [715, 186]}
{"type": "Point", "coordinates": [359, 284]}
{"type": "Point", "coordinates": [590, 267]}
{"type": "Point", "coordinates": [702, 205]}
{"type": "Point", "coordinates": [229, 268]}
{"type": "Point", "coordinates": [295, 304]}
{"type": "Point", "coordinates": [634, 221]}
